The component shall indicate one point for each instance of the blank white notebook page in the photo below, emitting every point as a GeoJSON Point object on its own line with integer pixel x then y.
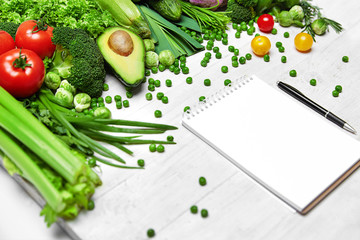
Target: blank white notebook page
{"type": "Point", "coordinates": [288, 148]}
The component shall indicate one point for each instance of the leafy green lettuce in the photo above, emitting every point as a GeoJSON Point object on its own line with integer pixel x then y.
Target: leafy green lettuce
{"type": "Point", "coordinates": [84, 14]}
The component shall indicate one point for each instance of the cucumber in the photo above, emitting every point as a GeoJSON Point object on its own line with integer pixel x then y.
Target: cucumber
{"type": "Point", "coordinates": [169, 9]}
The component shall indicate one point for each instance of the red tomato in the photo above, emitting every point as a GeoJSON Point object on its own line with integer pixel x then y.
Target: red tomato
{"type": "Point", "coordinates": [22, 72]}
{"type": "Point", "coordinates": [265, 23]}
{"type": "Point", "coordinates": [7, 42]}
{"type": "Point", "coordinates": [35, 36]}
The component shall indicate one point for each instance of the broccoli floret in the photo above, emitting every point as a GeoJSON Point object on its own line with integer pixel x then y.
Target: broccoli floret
{"type": "Point", "coordinates": [9, 27]}
{"type": "Point", "coordinates": [239, 13]}
{"type": "Point", "coordinates": [78, 59]}
{"type": "Point", "coordinates": [247, 3]}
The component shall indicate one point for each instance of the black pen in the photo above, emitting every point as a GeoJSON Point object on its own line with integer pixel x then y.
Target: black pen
{"type": "Point", "coordinates": [308, 102]}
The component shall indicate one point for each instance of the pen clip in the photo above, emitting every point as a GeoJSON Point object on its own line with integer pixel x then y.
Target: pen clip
{"type": "Point", "coordinates": [291, 87]}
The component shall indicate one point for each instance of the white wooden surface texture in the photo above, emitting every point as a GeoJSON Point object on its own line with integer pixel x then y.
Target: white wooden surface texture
{"type": "Point", "coordinates": [159, 197]}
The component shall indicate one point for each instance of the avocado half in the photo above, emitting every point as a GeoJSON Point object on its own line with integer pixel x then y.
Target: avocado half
{"type": "Point", "coordinates": [124, 51]}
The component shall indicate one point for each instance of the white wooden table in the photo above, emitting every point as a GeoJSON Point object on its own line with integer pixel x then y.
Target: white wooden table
{"type": "Point", "coordinates": [159, 197]}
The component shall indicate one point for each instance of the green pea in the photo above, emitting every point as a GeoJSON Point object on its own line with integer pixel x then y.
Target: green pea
{"type": "Point", "coordinates": [293, 73]}
{"type": "Point", "coordinates": [90, 205]}
{"type": "Point", "coordinates": [202, 98]}
{"type": "Point", "coordinates": [244, 27]}
{"type": "Point", "coordinates": [283, 59]}
{"type": "Point", "coordinates": [338, 88]}
{"type": "Point", "coordinates": [126, 103]}
{"type": "Point", "coordinates": [208, 54]}
{"type": "Point", "coordinates": [106, 87]}
{"type": "Point", "coordinates": [92, 162]}
{"type": "Point", "coordinates": [148, 96]}
{"type": "Point", "coordinates": [202, 181]}
{"type": "Point", "coordinates": [108, 99]}
{"type": "Point", "coordinates": [286, 35]}
{"type": "Point", "coordinates": [203, 63]}
{"type": "Point", "coordinates": [345, 59]}
{"type": "Point", "coordinates": [250, 31]}
{"type": "Point", "coordinates": [141, 162]}
{"type": "Point", "coordinates": [150, 233]}
{"type": "Point", "coordinates": [216, 49]}
{"type": "Point", "coordinates": [151, 87]}
{"type": "Point", "coordinates": [101, 104]}
{"type": "Point", "coordinates": [274, 31]}
{"type": "Point", "coordinates": [335, 93]}
{"type": "Point", "coordinates": [168, 82]}
{"type": "Point", "coordinates": [93, 105]}
{"type": "Point", "coordinates": [189, 80]}
{"type": "Point", "coordinates": [224, 35]}
{"type": "Point", "coordinates": [227, 82]}
{"type": "Point", "coordinates": [207, 59]}
{"type": "Point", "coordinates": [159, 95]}
{"type": "Point", "coordinates": [234, 25]}
{"type": "Point", "coordinates": [172, 68]}
{"type": "Point", "coordinates": [218, 55]}
{"type": "Point", "coordinates": [224, 69]}
{"type": "Point", "coordinates": [258, 34]}
{"type": "Point", "coordinates": [235, 63]}
{"type": "Point", "coordinates": [165, 99]}
{"type": "Point", "coordinates": [186, 108]}
{"type": "Point", "coordinates": [242, 60]}
{"type": "Point", "coordinates": [207, 82]}
{"type": "Point", "coordinates": [248, 56]}
{"type": "Point", "coordinates": [182, 59]}
{"type": "Point", "coordinates": [194, 209]}
{"type": "Point", "coordinates": [100, 99]}
{"type": "Point", "coordinates": [313, 82]}
{"type": "Point", "coordinates": [251, 22]}
{"type": "Point", "coordinates": [158, 114]}
{"type": "Point", "coordinates": [129, 94]}
{"type": "Point", "coordinates": [231, 48]}
{"type": "Point", "coordinates": [209, 47]}
{"type": "Point", "coordinates": [185, 70]}
{"type": "Point", "coordinates": [147, 72]}
{"type": "Point", "coordinates": [177, 70]}
{"type": "Point", "coordinates": [218, 37]}
{"type": "Point", "coordinates": [117, 98]}
{"type": "Point", "coordinates": [278, 44]}
{"type": "Point", "coordinates": [182, 65]}
{"type": "Point", "coordinates": [266, 58]}
{"type": "Point", "coordinates": [206, 36]}
{"type": "Point", "coordinates": [234, 58]}
{"type": "Point", "coordinates": [160, 148]}
{"type": "Point", "coordinates": [176, 63]}
{"type": "Point", "coordinates": [118, 104]}
{"type": "Point", "coordinates": [236, 52]}
{"type": "Point", "coordinates": [170, 138]}
{"type": "Point", "coordinates": [161, 68]}
{"type": "Point", "coordinates": [225, 41]}
{"type": "Point", "coordinates": [154, 70]}
{"type": "Point", "coordinates": [281, 49]}
{"type": "Point", "coordinates": [204, 213]}
{"type": "Point", "coordinates": [237, 35]}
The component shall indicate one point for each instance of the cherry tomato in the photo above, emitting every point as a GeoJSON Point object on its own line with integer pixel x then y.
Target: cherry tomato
{"type": "Point", "coordinates": [260, 45]}
{"type": "Point", "coordinates": [265, 23]}
{"type": "Point", "coordinates": [22, 72]}
{"type": "Point", "coordinates": [303, 42]}
{"type": "Point", "coordinates": [7, 42]}
{"type": "Point", "coordinates": [35, 36]}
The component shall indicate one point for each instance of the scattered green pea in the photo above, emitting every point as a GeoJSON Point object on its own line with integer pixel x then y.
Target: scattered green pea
{"type": "Point", "coordinates": [224, 69]}
{"type": "Point", "coordinates": [126, 103]}
{"type": "Point", "coordinates": [338, 88]}
{"type": "Point", "coordinates": [117, 98]}
{"type": "Point", "coordinates": [293, 73]}
{"type": "Point", "coordinates": [100, 99]}
{"type": "Point", "coordinates": [101, 104]}
{"type": "Point", "coordinates": [151, 87]}
{"type": "Point", "coordinates": [225, 41]}
{"type": "Point", "coordinates": [160, 148]}
{"type": "Point", "coordinates": [313, 82]}
{"type": "Point", "coordinates": [172, 68]}
{"type": "Point", "coordinates": [148, 96]}
{"type": "Point", "coordinates": [248, 56]}
{"type": "Point", "coordinates": [216, 49]}
{"type": "Point", "coordinates": [186, 108]}
{"type": "Point", "coordinates": [234, 25]}
{"type": "Point", "coordinates": [286, 34]}
{"type": "Point", "coordinates": [162, 67]}
{"type": "Point", "coordinates": [93, 105]}
{"type": "Point", "coordinates": [206, 36]}
{"type": "Point", "coordinates": [106, 87]}
{"type": "Point", "coordinates": [182, 65]}
{"type": "Point", "coordinates": [129, 94]}
{"type": "Point", "coordinates": [235, 63]}
{"type": "Point", "coordinates": [92, 162]}
{"type": "Point", "coordinates": [218, 55]}
{"type": "Point", "coordinates": [154, 70]}
{"type": "Point", "coordinates": [185, 70]}
{"type": "Point", "coordinates": [207, 82]}
{"type": "Point", "coordinates": [170, 138]}
{"type": "Point", "coordinates": [151, 81]}
{"type": "Point", "coordinates": [236, 52]}
{"type": "Point", "coordinates": [202, 181]}
{"type": "Point", "coordinates": [274, 31]}
{"type": "Point", "coordinates": [177, 70]}
{"type": "Point", "coordinates": [244, 27]}
{"type": "Point", "coordinates": [194, 209]}
{"type": "Point", "coordinates": [208, 54]}
{"type": "Point", "coordinates": [202, 98]}
{"type": "Point", "coordinates": [227, 82]}
{"type": "Point", "coordinates": [147, 72]}
{"type": "Point", "coordinates": [281, 49]}
{"type": "Point", "coordinates": [108, 99]}
{"type": "Point", "coordinates": [203, 63]}
{"type": "Point", "coordinates": [242, 60]}
{"type": "Point", "coordinates": [118, 104]}
{"type": "Point", "coordinates": [345, 59]}
{"type": "Point", "coordinates": [335, 93]}
{"type": "Point", "coordinates": [237, 34]}
{"type": "Point", "coordinates": [278, 44]}
{"type": "Point", "coordinates": [204, 213]}
{"type": "Point", "coordinates": [141, 162]}
{"type": "Point", "coordinates": [90, 205]}
{"type": "Point", "coordinates": [189, 80]}
{"type": "Point", "coordinates": [157, 83]}
{"type": "Point", "coordinates": [283, 59]}
{"type": "Point", "coordinates": [258, 34]}
{"type": "Point", "coordinates": [168, 82]}
{"type": "Point", "coordinates": [150, 233]}
{"type": "Point", "coordinates": [182, 59]}
{"type": "Point", "coordinates": [159, 95]}
{"type": "Point", "coordinates": [231, 48]}
{"type": "Point", "coordinates": [266, 58]}
{"type": "Point", "coordinates": [165, 99]}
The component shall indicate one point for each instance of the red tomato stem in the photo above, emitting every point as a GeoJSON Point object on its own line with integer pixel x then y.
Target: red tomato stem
{"type": "Point", "coordinates": [21, 62]}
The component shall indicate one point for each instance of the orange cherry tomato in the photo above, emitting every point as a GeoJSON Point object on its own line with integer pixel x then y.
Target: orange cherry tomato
{"type": "Point", "coordinates": [260, 45]}
{"type": "Point", "coordinates": [303, 42]}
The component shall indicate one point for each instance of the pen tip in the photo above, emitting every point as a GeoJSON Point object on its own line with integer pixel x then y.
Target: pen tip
{"type": "Point", "coordinates": [349, 128]}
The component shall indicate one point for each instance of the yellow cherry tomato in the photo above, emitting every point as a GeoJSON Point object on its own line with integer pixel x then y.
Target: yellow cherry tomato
{"type": "Point", "coordinates": [303, 42]}
{"type": "Point", "coordinates": [260, 45]}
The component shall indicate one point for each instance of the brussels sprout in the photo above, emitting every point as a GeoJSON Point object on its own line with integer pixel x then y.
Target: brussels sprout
{"type": "Point", "coordinates": [82, 101]}
{"type": "Point", "coordinates": [67, 86]}
{"type": "Point", "coordinates": [319, 26]}
{"type": "Point", "coordinates": [166, 58]}
{"type": "Point", "coordinates": [52, 80]}
{"type": "Point", "coordinates": [102, 112]}
{"type": "Point", "coordinates": [64, 95]}
{"type": "Point", "coordinates": [285, 19]}
{"type": "Point", "coordinates": [297, 13]}
{"type": "Point", "coordinates": [151, 59]}
{"type": "Point", "coordinates": [149, 45]}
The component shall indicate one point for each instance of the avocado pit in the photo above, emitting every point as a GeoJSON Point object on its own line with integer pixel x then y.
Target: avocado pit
{"type": "Point", "coordinates": [121, 43]}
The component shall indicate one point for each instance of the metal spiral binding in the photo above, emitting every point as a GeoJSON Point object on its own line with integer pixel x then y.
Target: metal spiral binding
{"type": "Point", "coordinates": [217, 96]}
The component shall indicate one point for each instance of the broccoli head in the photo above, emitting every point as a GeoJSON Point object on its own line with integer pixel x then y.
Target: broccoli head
{"type": "Point", "coordinates": [247, 3]}
{"type": "Point", "coordinates": [239, 13]}
{"type": "Point", "coordinates": [78, 59]}
{"type": "Point", "coordinates": [9, 27]}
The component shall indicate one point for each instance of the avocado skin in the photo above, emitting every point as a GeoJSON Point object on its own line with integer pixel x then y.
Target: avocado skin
{"type": "Point", "coordinates": [130, 70]}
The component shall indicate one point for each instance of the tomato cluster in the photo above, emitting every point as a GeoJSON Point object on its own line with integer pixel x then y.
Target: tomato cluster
{"type": "Point", "coordinates": [22, 70]}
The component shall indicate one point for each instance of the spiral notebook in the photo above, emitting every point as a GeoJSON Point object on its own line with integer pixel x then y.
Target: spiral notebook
{"type": "Point", "coordinates": [284, 146]}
